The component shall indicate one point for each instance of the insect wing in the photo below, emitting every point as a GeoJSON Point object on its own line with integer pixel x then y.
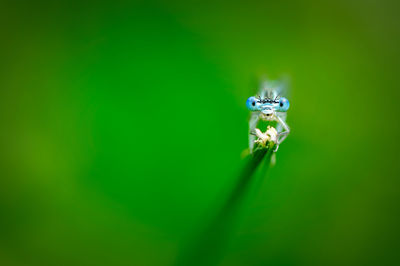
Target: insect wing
{"type": "Point", "coordinates": [273, 89]}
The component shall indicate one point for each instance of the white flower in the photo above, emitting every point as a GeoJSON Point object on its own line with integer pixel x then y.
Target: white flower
{"type": "Point", "coordinates": [269, 136]}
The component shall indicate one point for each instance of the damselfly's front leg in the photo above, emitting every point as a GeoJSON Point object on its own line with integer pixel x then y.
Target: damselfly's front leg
{"type": "Point", "coordinates": [281, 135]}
{"type": "Point", "coordinates": [252, 127]}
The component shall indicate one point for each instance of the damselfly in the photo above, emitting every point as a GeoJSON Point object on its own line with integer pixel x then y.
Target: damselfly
{"type": "Point", "coordinates": [271, 106]}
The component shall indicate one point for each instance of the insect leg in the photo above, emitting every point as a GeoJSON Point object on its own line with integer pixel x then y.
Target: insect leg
{"type": "Point", "coordinates": [252, 126]}
{"type": "Point", "coordinates": [282, 135]}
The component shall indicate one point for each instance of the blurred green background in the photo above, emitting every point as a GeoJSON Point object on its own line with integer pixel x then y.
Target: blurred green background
{"type": "Point", "coordinates": [122, 126]}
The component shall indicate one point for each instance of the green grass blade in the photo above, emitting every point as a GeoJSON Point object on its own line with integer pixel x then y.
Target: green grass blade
{"type": "Point", "coordinates": [208, 247]}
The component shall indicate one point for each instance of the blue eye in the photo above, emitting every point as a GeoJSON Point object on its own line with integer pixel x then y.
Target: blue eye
{"type": "Point", "coordinates": [251, 104]}
{"type": "Point", "coordinates": [283, 104]}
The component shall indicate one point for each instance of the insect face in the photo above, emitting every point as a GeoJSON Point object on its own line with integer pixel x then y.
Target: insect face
{"type": "Point", "coordinates": [267, 113]}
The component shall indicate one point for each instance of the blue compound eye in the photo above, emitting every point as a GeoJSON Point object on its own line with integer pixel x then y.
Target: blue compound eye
{"type": "Point", "coordinates": [251, 104]}
{"type": "Point", "coordinates": [283, 104]}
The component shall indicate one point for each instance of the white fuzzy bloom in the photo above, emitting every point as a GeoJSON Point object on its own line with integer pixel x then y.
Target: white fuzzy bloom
{"type": "Point", "coordinates": [270, 135]}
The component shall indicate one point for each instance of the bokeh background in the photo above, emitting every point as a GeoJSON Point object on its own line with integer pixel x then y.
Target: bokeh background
{"type": "Point", "coordinates": [122, 125]}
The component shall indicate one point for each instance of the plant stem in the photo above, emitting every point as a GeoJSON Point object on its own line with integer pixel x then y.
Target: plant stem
{"type": "Point", "coordinates": [209, 245]}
